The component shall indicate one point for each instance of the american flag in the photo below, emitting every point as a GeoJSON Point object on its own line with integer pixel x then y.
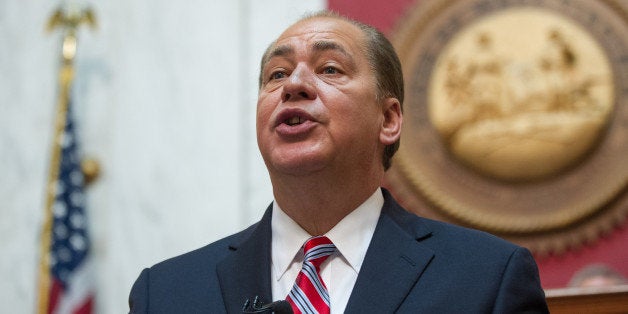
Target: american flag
{"type": "Point", "coordinates": [69, 271]}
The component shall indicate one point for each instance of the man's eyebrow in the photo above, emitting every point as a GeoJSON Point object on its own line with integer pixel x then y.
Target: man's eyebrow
{"type": "Point", "coordinates": [324, 45]}
{"type": "Point", "coordinates": [280, 51]}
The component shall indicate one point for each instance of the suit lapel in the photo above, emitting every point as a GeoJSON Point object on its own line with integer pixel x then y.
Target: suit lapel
{"type": "Point", "coordinates": [245, 273]}
{"type": "Point", "coordinates": [393, 263]}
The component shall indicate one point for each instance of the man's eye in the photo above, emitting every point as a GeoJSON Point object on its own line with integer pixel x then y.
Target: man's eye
{"type": "Point", "coordinates": [330, 70]}
{"type": "Point", "coordinates": [277, 75]}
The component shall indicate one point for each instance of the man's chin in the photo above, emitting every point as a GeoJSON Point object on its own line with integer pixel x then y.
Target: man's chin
{"type": "Point", "coordinates": [302, 166]}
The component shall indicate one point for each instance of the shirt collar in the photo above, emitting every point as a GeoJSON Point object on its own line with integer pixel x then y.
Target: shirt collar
{"type": "Point", "coordinates": [287, 239]}
{"type": "Point", "coordinates": [351, 236]}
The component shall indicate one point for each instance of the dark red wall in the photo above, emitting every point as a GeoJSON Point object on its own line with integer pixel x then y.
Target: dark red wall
{"type": "Point", "coordinates": [383, 14]}
{"type": "Point", "coordinates": [555, 270]}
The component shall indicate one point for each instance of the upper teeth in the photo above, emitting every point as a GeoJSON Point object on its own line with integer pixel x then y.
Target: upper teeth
{"type": "Point", "coordinates": [294, 120]}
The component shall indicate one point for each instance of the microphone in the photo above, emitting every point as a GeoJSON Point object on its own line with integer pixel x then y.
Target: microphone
{"type": "Point", "coordinates": [278, 307]}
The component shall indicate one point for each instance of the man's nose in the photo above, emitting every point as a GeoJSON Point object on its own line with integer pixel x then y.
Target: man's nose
{"type": "Point", "coordinates": [299, 85]}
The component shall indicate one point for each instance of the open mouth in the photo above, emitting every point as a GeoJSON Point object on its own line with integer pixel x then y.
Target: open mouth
{"type": "Point", "coordinates": [296, 120]}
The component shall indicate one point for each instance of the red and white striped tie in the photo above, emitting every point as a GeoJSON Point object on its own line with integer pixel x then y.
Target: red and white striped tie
{"type": "Point", "coordinates": [309, 294]}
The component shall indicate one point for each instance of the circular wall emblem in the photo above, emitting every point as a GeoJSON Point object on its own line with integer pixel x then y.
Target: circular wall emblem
{"type": "Point", "coordinates": [516, 117]}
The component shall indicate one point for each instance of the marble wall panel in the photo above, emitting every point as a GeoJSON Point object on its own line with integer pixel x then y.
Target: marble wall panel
{"type": "Point", "coordinates": [165, 97]}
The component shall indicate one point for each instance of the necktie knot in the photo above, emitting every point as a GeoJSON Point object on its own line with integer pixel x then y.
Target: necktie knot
{"type": "Point", "coordinates": [317, 250]}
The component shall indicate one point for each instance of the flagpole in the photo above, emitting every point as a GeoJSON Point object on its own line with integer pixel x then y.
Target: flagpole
{"type": "Point", "coordinates": [69, 19]}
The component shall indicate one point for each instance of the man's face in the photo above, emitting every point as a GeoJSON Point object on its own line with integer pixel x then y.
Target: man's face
{"type": "Point", "coordinates": [317, 104]}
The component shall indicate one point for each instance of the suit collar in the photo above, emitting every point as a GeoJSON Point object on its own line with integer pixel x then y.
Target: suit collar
{"type": "Point", "coordinates": [394, 261]}
{"type": "Point", "coordinates": [245, 273]}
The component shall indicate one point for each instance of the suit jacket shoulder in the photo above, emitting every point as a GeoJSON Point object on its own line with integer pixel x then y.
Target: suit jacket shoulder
{"type": "Point", "coordinates": [187, 283]}
{"type": "Point", "coordinates": [415, 264]}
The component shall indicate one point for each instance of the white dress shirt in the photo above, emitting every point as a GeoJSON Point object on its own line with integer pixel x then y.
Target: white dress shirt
{"type": "Point", "coordinates": [351, 236]}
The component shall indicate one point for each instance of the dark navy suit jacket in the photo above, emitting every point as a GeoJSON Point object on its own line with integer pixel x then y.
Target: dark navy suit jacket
{"type": "Point", "coordinates": [413, 265]}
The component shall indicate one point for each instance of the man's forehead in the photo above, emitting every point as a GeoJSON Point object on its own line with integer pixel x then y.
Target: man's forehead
{"type": "Point", "coordinates": [318, 34]}
{"type": "Point", "coordinates": [321, 29]}
{"type": "Point", "coordinates": [316, 46]}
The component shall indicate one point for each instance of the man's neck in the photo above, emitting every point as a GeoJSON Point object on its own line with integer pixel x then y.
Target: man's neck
{"type": "Point", "coordinates": [318, 202]}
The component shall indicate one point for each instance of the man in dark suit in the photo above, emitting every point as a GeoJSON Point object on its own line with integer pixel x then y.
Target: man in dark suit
{"type": "Point", "coordinates": [328, 121]}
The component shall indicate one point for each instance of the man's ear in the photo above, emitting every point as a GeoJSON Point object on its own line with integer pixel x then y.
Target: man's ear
{"type": "Point", "coordinates": [391, 125]}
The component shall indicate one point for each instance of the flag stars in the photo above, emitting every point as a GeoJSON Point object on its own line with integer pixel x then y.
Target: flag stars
{"type": "Point", "coordinates": [64, 255]}
{"type": "Point", "coordinates": [76, 198]}
{"type": "Point", "coordinates": [76, 177]}
{"type": "Point", "coordinates": [77, 221]}
{"type": "Point", "coordinates": [66, 139]}
{"type": "Point", "coordinates": [78, 242]}
{"type": "Point", "coordinates": [70, 245]}
{"type": "Point", "coordinates": [59, 209]}
{"type": "Point", "coordinates": [61, 232]}
{"type": "Point", "coordinates": [73, 158]}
